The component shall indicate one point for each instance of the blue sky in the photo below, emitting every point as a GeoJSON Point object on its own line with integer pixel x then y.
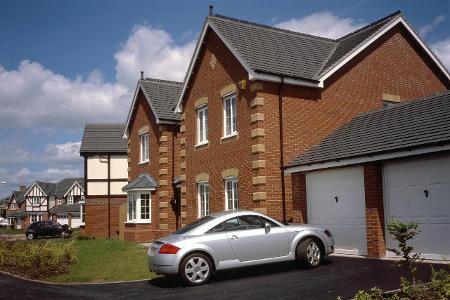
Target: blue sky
{"type": "Point", "coordinates": [64, 63]}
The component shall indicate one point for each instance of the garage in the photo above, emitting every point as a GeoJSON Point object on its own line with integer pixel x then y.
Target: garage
{"type": "Point", "coordinates": [419, 191]}
{"type": "Point", "coordinates": [335, 199]}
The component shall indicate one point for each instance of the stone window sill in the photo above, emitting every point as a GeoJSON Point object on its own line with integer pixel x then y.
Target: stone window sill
{"type": "Point", "coordinates": [226, 139]}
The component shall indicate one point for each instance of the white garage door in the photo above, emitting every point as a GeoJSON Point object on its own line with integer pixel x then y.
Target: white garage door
{"type": "Point", "coordinates": [336, 200]}
{"type": "Point", "coordinates": [419, 191]}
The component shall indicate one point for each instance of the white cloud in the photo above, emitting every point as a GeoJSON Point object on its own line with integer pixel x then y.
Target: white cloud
{"type": "Point", "coordinates": [153, 51]}
{"type": "Point", "coordinates": [67, 152]}
{"type": "Point", "coordinates": [24, 176]}
{"type": "Point", "coordinates": [442, 50]}
{"type": "Point", "coordinates": [323, 23]}
{"type": "Point", "coordinates": [10, 154]}
{"type": "Point", "coordinates": [33, 96]}
{"type": "Point", "coordinates": [424, 30]}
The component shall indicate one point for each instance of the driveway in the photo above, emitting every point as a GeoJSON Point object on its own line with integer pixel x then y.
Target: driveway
{"type": "Point", "coordinates": [339, 276]}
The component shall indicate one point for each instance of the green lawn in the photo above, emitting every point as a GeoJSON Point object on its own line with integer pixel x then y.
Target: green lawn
{"type": "Point", "coordinates": [107, 260]}
{"type": "Point", "coordinates": [11, 231]}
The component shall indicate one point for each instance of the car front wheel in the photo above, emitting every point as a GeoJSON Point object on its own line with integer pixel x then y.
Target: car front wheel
{"type": "Point", "coordinates": [196, 269]}
{"type": "Point", "coordinates": [31, 236]}
{"type": "Point", "coordinates": [309, 253]}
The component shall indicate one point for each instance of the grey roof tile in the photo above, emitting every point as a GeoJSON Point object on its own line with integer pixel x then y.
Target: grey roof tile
{"type": "Point", "coordinates": [413, 124]}
{"type": "Point", "coordinates": [103, 138]}
{"type": "Point", "coordinates": [143, 181]}
{"type": "Point", "coordinates": [48, 187]}
{"type": "Point", "coordinates": [64, 185]}
{"type": "Point", "coordinates": [162, 96]}
{"type": "Point", "coordinates": [63, 209]}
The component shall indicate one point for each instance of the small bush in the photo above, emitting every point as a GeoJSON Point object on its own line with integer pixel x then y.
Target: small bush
{"type": "Point", "coordinates": [36, 259]}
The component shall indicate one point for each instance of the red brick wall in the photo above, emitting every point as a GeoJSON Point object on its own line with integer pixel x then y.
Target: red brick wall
{"type": "Point", "coordinates": [373, 186]}
{"type": "Point", "coordinates": [310, 115]}
{"type": "Point", "coordinates": [218, 155]}
{"type": "Point", "coordinates": [96, 218]}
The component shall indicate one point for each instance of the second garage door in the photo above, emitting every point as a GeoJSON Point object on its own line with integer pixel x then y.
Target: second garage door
{"type": "Point", "coordinates": [419, 191]}
{"type": "Point", "coordinates": [336, 200]}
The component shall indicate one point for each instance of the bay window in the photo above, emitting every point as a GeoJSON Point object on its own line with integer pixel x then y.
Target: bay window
{"type": "Point", "coordinates": [229, 113]}
{"type": "Point", "coordinates": [144, 148]}
{"type": "Point", "coordinates": [139, 207]}
{"type": "Point", "coordinates": [203, 199]}
{"type": "Point", "coordinates": [202, 125]}
{"type": "Point", "coordinates": [231, 193]}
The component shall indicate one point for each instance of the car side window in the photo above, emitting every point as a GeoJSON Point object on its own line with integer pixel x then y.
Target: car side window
{"type": "Point", "coordinates": [228, 225]}
{"type": "Point", "coordinates": [272, 223]}
{"type": "Point", "coordinates": [251, 222]}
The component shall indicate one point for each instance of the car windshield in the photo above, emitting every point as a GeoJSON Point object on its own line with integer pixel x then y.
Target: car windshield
{"type": "Point", "coordinates": [194, 225]}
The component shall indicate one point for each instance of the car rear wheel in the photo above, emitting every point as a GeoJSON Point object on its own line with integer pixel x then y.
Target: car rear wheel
{"type": "Point", "coordinates": [196, 269]}
{"type": "Point", "coordinates": [309, 253]}
{"type": "Point", "coordinates": [31, 236]}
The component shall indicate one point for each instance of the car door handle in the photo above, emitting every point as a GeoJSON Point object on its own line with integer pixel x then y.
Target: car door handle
{"type": "Point", "coordinates": [234, 237]}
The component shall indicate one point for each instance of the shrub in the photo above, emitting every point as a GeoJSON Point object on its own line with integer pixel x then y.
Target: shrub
{"type": "Point", "coordinates": [36, 259]}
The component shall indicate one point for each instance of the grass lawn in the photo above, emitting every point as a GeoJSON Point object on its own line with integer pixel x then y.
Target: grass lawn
{"type": "Point", "coordinates": [11, 231]}
{"type": "Point", "coordinates": [107, 260]}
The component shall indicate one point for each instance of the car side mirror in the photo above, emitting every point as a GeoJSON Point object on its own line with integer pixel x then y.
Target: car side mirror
{"type": "Point", "coordinates": [267, 227]}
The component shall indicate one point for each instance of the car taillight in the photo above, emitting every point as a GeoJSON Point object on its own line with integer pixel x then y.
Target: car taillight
{"type": "Point", "coordinates": [328, 233]}
{"type": "Point", "coordinates": [168, 249]}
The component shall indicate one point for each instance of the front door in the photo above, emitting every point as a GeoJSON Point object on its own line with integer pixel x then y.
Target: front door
{"type": "Point", "coordinates": [250, 240]}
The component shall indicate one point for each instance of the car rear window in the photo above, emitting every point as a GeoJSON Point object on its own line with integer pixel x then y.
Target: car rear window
{"type": "Point", "coordinates": [194, 225]}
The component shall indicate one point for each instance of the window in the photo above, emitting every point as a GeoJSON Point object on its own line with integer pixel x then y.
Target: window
{"type": "Point", "coordinates": [83, 213]}
{"type": "Point", "coordinates": [59, 200]}
{"type": "Point", "coordinates": [203, 199]}
{"type": "Point", "coordinates": [229, 109]}
{"type": "Point", "coordinates": [193, 225]}
{"type": "Point", "coordinates": [13, 206]}
{"type": "Point", "coordinates": [143, 140]}
{"type": "Point", "coordinates": [139, 207]}
{"type": "Point", "coordinates": [35, 201]}
{"type": "Point", "coordinates": [240, 223]}
{"type": "Point", "coordinates": [231, 194]}
{"type": "Point", "coordinates": [35, 218]}
{"type": "Point", "coordinates": [69, 199]}
{"type": "Point", "coordinates": [202, 125]}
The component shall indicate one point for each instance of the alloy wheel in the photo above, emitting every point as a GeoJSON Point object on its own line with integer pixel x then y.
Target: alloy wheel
{"type": "Point", "coordinates": [197, 269]}
{"type": "Point", "coordinates": [313, 253]}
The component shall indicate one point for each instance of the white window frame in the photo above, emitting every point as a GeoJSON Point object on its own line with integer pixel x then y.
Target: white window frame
{"type": "Point", "coordinates": [234, 199]}
{"type": "Point", "coordinates": [232, 99]}
{"type": "Point", "coordinates": [69, 199]}
{"type": "Point", "coordinates": [202, 119]}
{"type": "Point", "coordinates": [135, 199]}
{"type": "Point", "coordinates": [35, 217]}
{"type": "Point", "coordinates": [82, 213]}
{"type": "Point", "coordinates": [144, 150]}
{"type": "Point", "coordinates": [203, 197]}
{"type": "Point", "coordinates": [38, 201]}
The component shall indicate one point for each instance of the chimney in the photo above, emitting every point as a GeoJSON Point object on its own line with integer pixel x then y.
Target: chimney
{"type": "Point", "coordinates": [211, 7]}
{"type": "Point", "coordinates": [22, 188]}
{"type": "Point", "coordinates": [142, 75]}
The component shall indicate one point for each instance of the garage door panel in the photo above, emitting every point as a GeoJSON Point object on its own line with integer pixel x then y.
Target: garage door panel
{"type": "Point", "coordinates": [419, 191]}
{"type": "Point", "coordinates": [345, 217]}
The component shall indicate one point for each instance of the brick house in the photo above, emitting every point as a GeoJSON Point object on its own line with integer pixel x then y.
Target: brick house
{"type": "Point", "coordinates": [105, 173]}
{"type": "Point", "coordinates": [254, 98]}
{"type": "Point", "coordinates": [152, 131]}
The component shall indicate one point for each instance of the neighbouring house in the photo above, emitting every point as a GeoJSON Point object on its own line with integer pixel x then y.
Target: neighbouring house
{"type": "Point", "coordinates": [154, 190]}
{"type": "Point", "coordinates": [67, 204]}
{"type": "Point", "coordinates": [44, 200]}
{"type": "Point", "coordinates": [392, 163]}
{"type": "Point", "coordinates": [254, 99]}
{"type": "Point", "coordinates": [105, 174]}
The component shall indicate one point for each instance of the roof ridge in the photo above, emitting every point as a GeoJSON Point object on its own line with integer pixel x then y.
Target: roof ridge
{"type": "Point", "coordinates": [407, 102]}
{"type": "Point", "coordinates": [398, 12]}
{"type": "Point", "coordinates": [307, 35]}
{"type": "Point", "coordinates": [158, 80]}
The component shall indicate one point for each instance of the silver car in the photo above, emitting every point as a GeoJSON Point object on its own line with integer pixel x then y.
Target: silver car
{"type": "Point", "coordinates": [234, 239]}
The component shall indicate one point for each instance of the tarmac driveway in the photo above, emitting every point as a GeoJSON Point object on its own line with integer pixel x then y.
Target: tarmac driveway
{"type": "Point", "coordinates": [342, 276]}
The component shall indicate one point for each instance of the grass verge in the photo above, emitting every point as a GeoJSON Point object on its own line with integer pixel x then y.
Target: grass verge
{"type": "Point", "coordinates": [11, 231]}
{"type": "Point", "coordinates": [106, 260]}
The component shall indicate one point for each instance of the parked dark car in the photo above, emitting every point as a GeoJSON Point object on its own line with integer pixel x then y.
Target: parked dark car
{"type": "Point", "coordinates": [47, 228]}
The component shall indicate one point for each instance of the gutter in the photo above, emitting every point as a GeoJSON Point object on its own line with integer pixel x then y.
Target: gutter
{"type": "Point", "coordinates": [280, 117]}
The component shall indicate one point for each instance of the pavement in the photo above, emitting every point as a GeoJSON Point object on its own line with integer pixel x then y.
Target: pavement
{"type": "Point", "coordinates": [338, 276]}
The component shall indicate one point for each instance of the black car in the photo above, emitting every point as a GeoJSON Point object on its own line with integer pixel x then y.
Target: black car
{"type": "Point", "coordinates": [47, 228]}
